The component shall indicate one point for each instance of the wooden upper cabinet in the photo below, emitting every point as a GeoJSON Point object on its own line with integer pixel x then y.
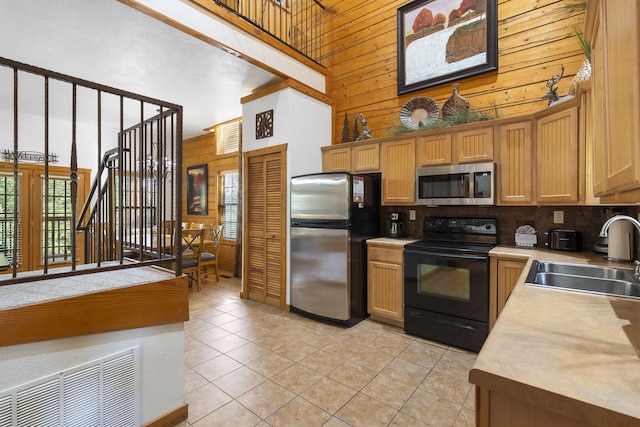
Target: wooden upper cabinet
{"type": "Point", "coordinates": [336, 159]}
{"type": "Point", "coordinates": [614, 34]}
{"type": "Point", "coordinates": [399, 172]}
{"type": "Point", "coordinates": [365, 158]}
{"type": "Point", "coordinates": [598, 124]}
{"type": "Point", "coordinates": [361, 158]}
{"type": "Point", "coordinates": [434, 150]}
{"type": "Point", "coordinates": [474, 145]}
{"type": "Point", "coordinates": [557, 158]}
{"type": "Point", "coordinates": [515, 165]}
{"type": "Point", "coordinates": [452, 147]}
{"type": "Point", "coordinates": [621, 46]}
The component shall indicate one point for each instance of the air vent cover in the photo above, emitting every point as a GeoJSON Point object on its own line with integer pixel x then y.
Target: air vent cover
{"type": "Point", "coordinates": [105, 392]}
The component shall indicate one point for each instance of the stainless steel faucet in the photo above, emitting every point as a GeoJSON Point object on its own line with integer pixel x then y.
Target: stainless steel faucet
{"type": "Point", "coordinates": [605, 228]}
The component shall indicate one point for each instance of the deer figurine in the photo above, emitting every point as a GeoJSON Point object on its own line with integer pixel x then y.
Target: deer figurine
{"type": "Point", "coordinates": [552, 95]}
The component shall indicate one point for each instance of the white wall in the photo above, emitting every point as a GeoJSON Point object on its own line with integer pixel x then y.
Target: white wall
{"type": "Point", "coordinates": [301, 122]}
{"type": "Point", "coordinates": [161, 355]}
{"type": "Point", "coordinates": [31, 138]}
{"type": "Point", "coordinates": [225, 33]}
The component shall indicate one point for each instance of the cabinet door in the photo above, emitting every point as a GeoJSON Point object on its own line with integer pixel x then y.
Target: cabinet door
{"type": "Point", "coordinates": [504, 273]}
{"type": "Point", "coordinates": [434, 150]}
{"type": "Point", "coordinates": [475, 145]}
{"type": "Point", "coordinates": [365, 158]}
{"type": "Point", "coordinates": [622, 90]}
{"type": "Point", "coordinates": [385, 291]}
{"type": "Point", "coordinates": [598, 122]}
{"type": "Point", "coordinates": [336, 160]}
{"type": "Point", "coordinates": [509, 271]}
{"type": "Point", "coordinates": [515, 168]}
{"type": "Point", "coordinates": [264, 250]}
{"type": "Point", "coordinates": [557, 158]}
{"type": "Point", "coordinates": [399, 172]}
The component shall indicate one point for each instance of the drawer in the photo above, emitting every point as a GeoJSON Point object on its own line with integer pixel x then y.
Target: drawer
{"type": "Point", "coordinates": [383, 254]}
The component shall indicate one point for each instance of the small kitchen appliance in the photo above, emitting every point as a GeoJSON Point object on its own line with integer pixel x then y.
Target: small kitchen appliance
{"type": "Point", "coordinates": [465, 184]}
{"type": "Point", "coordinates": [396, 226]}
{"type": "Point", "coordinates": [564, 240]}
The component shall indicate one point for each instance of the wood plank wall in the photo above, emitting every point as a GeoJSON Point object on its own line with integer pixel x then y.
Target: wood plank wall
{"type": "Point", "coordinates": [198, 151]}
{"type": "Point", "coordinates": [535, 37]}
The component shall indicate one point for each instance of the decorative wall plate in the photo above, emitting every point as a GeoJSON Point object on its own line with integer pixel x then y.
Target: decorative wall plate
{"type": "Point", "coordinates": [264, 124]}
{"type": "Point", "coordinates": [419, 112]}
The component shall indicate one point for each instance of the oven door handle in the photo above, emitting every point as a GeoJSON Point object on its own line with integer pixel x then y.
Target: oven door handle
{"type": "Point", "coordinates": [448, 255]}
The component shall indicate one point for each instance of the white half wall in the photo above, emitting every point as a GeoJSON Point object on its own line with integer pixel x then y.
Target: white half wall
{"type": "Point", "coordinates": [161, 355]}
{"type": "Point", "coordinates": [304, 124]}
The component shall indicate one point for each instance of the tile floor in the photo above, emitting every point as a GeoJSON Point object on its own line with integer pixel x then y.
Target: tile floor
{"type": "Point", "coordinates": [249, 364]}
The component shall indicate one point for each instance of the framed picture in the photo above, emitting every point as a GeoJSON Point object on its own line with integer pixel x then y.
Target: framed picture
{"type": "Point", "coordinates": [197, 190]}
{"type": "Point", "coordinates": [440, 41]}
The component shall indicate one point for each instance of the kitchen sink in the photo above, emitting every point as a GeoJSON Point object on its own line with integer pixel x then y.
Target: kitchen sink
{"type": "Point", "coordinates": [584, 278]}
{"type": "Point", "coordinates": [583, 270]}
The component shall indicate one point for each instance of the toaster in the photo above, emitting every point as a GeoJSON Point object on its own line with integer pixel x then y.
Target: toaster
{"type": "Point", "coordinates": [564, 240]}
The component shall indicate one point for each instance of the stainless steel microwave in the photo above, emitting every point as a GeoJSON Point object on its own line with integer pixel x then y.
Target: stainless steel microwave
{"type": "Point", "coordinates": [468, 184]}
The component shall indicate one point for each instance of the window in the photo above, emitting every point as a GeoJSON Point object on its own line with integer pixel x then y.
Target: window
{"type": "Point", "coordinates": [229, 204]}
{"type": "Point", "coordinates": [56, 220]}
{"type": "Point", "coordinates": [8, 189]}
{"type": "Point", "coordinates": [36, 216]}
{"type": "Point", "coordinates": [228, 137]}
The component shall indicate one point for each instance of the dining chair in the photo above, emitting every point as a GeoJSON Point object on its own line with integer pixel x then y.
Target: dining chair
{"type": "Point", "coordinates": [191, 249]}
{"type": "Point", "coordinates": [211, 242]}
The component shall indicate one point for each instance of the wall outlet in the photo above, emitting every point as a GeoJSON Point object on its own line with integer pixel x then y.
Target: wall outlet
{"type": "Point", "coordinates": [558, 217]}
{"type": "Point", "coordinates": [412, 214]}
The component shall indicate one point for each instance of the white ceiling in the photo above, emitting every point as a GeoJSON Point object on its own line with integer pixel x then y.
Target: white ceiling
{"type": "Point", "coordinates": [107, 42]}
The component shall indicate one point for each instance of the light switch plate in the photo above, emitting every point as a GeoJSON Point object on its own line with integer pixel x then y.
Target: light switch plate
{"type": "Point", "coordinates": [558, 217]}
{"type": "Point", "coordinates": [412, 214]}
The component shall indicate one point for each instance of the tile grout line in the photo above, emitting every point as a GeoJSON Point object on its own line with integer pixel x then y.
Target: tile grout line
{"type": "Point", "coordinates": [275, 316]}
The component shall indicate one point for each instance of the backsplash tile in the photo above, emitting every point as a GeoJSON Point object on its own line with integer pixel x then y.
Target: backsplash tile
{"type": "Point", "coordinates": [586, 219]}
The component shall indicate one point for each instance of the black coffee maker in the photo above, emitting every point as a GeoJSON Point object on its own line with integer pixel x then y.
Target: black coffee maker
{"type": "Point", "coordinates": [396, 226]}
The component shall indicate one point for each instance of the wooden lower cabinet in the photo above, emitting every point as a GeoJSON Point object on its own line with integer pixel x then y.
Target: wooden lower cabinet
{"type": "Point", "coordinates": [504, 272]}
{"type": "Point", "coordinates": [494, 409]}
{"type": "Point", "coordinates": [385, 290]}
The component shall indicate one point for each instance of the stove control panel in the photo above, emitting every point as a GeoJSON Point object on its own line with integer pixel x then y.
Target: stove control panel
{"type": "Point", "coordinates": [487, 226]}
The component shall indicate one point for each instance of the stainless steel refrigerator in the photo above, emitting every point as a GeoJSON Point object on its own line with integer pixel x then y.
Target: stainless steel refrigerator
{"type": "Point", "coordinates": [332, 215]}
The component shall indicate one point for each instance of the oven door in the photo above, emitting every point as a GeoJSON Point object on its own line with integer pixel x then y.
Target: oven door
{"type": "Point", "coordinates": [452, 284]}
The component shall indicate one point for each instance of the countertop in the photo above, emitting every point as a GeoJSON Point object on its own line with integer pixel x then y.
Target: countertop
{"type": "Point", "coordinates": [572, 353]}
{"type": "Point", "coordinates": [390, 241]}
{"type": "Point", "coordinates": [51, 289]}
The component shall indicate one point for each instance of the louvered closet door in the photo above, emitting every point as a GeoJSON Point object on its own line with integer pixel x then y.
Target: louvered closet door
{"type": "Point", "coordinates": [265, 251]}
